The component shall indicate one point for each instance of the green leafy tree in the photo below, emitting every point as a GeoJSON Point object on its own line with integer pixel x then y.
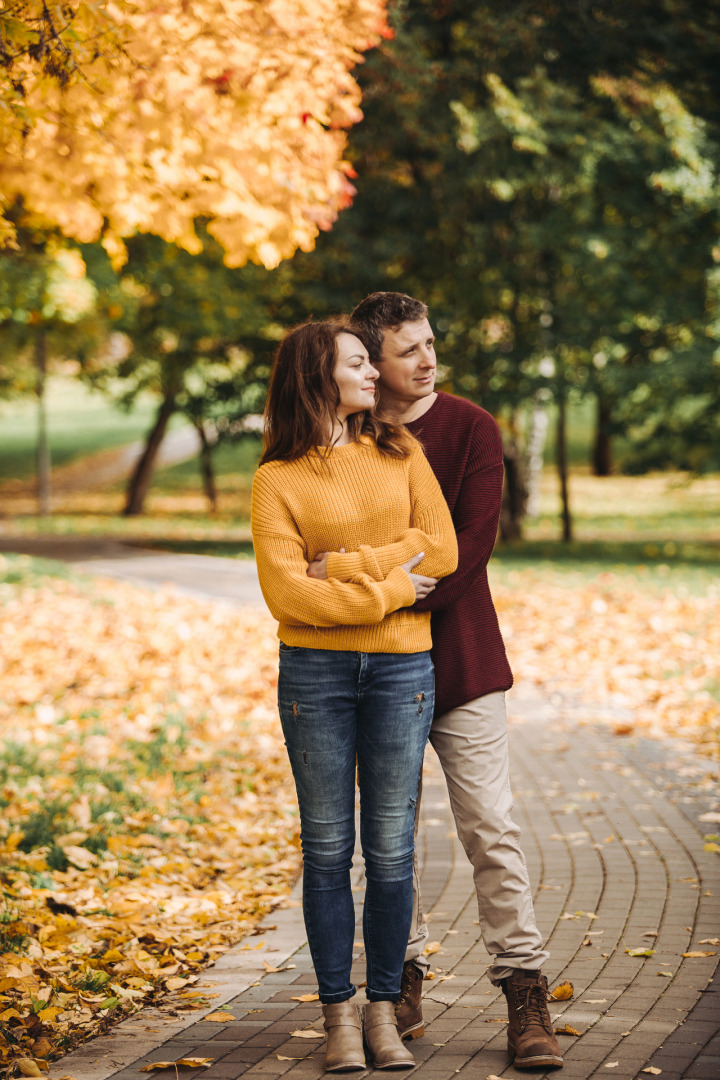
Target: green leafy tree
{"type": "Point", "coordinates": [196, 335]}
{"type": "Point", "coordinates": [49, 312]}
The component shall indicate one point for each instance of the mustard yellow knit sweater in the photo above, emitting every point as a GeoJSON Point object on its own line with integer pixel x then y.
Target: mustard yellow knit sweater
{"type": "Point", "coordinates": [382, 511]}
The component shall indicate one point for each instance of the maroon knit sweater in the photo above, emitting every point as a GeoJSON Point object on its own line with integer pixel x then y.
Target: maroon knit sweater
{"type": "Point", "coordinates": [462, 444]}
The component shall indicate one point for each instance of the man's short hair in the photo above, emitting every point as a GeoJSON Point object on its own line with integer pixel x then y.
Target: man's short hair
{"type": "Point", "coordinates": [383, 311]}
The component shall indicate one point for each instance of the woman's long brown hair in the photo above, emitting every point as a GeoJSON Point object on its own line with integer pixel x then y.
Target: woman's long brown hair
{"type": "Point", "coordinates": [303, 398]}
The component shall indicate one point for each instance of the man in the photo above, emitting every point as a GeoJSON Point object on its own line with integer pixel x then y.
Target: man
{"type": "Point", "coordinates": [469, 731]}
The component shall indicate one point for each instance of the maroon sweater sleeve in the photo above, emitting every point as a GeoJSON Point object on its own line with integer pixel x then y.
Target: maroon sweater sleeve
{"type": "Point", "coordinates": [476, 515]}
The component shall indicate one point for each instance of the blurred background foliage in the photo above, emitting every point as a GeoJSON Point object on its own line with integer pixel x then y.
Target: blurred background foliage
{"type": "Point", "coordinates": [544, 175]}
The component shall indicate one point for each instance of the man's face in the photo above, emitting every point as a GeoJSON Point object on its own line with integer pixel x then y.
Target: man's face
{"type": "Point", "coordinates": [408, 365]}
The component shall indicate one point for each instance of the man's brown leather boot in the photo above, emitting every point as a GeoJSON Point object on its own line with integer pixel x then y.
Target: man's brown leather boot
{"type": "Point", "coordinates": [531, 1040]}
{"type": "Point", "coordinates": [344, 1051]}
{"type": "Point", "coordinates": [408, 1009]}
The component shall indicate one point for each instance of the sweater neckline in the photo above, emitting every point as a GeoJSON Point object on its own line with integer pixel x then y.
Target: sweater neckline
{"type": "Point", "coordinates": [412, 423]}
{"type": "Point", "coordinates": [357, 444]}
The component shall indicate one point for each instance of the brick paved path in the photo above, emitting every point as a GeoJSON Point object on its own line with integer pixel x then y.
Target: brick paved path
{"type": "Point", "coordinates": [610, 827]}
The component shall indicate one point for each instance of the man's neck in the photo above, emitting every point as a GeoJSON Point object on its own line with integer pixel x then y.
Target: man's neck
{"type": "Point", "coordinates": [404, 412]}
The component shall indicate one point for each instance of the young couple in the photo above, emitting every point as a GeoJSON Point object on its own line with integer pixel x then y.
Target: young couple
{"type": "Point", "coordinates": [375, 511]}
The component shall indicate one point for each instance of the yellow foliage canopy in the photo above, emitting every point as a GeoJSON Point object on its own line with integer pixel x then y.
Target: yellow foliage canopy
{"type": "Point", "coordinates": [218, 109]}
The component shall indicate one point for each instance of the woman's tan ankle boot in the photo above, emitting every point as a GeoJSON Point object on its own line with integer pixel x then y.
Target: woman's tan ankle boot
{"type": "Point", "coordinates": [344, 1051]}
{"type": "Point", "coordinates": [381, 1035]}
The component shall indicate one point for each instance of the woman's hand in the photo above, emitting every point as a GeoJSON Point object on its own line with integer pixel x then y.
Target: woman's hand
{"type": "Point", "coordinates": [423, 585]}
{"type": "Point", "coordinates": [318, 567]}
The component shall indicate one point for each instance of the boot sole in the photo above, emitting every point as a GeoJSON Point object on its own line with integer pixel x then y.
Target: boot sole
{"type": "Point", "coordinates": [415, 1032]}
{"type": "Point", "coordinates": [396, 1065]}
{"type": "Point", "coordinates": [539, 1060]}
{"type": "Point", "coordinates": [349, 1066]}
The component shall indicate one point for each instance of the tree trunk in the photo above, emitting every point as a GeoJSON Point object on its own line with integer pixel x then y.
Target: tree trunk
{"type": "Point", "coordinates": [207, 470]}
{"type": "Point", "coordinates": [142, 473]}
{"type": "Point", "coordinates": [43, 446]}
{"type": "Point", "coordinates": [562, 466]}
{"type": "Point", "coordinates": [535, 452]}
{"type": "Point", "coordinates": [602, 456]}
{"type": "Point", "coordinates": [514, 497]}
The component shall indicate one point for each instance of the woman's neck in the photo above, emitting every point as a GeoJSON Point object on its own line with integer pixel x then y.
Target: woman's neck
{"type": "Point", "coordinates": [340, 434]}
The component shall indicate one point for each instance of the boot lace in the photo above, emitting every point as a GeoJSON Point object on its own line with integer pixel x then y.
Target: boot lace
{"type": "Point", "coordinates": [534, 1008]}
{"type": "Point", "coordinates": [406, 984]}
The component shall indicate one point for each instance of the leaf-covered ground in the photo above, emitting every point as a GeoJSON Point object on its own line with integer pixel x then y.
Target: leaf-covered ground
{"type": "Point", "coordinates": [147, 816]}
{"type": "Point", "coordinates": [147, 812]}
{"type": "Point", "coordinates": [648, 659]}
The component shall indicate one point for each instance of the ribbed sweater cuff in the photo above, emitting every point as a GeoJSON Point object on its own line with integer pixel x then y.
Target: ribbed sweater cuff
{"type": "Point", "coordinates": [345, 565]}
{"type": "Point", "coordinates": [401, 589]}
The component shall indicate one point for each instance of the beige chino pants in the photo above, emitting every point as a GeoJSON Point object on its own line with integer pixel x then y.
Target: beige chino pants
{"type": "Point", "coordinates": [472, 744]}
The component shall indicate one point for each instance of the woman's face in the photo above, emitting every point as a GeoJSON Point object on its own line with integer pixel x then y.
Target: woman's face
{"type": "Point", "coordinates": [355, 376]}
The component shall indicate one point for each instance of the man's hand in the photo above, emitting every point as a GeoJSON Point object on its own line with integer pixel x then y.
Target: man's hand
{"type": "Point", "coordinates": [423, 585]}
{"type": "Point", "coordinates": [318, 567]}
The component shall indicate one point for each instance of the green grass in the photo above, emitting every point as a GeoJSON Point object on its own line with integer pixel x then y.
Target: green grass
{"type": "Point", "coordinates": [30, 571]}
{"type": "Point", "coordinates": [80, 422]}
{"type": "Point", "coordinates": [234, 464]}
{"type": "Point", "coordinates": [694, 567]}
{"type": "Point", "coordinates": [226, 549]}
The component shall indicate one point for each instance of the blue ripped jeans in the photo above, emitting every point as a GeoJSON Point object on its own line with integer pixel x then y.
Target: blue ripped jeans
{"type": "Point", "coordinates": [339, 708]}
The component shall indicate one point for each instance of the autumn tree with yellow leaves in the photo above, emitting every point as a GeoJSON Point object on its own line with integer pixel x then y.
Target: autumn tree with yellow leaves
{"type": "Point", "coordinates": [131, 115]}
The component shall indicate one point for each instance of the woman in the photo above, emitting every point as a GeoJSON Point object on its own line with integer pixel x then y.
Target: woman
{"type": "Point", "coordinates": [356, 680]}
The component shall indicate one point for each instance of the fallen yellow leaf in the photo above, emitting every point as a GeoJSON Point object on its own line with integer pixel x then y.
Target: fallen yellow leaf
{"type": "Point", "coordinates": [563, 992]}
{"type": "Point", "coordinates": [113, 956]}
{"type": "Point", "coordinates": [48, 1015]}
{"type": "Point", "coordinates": [29, 1067]}
{"type": "Point", "coordinates": [709, 941]}
{"type": "Point", "coordinates": [651, 1069]}
{"type": "Point", "coordinates": [431, 948]}
{"type": "Point", "coordinates": [307, 1033]}
{"type": "Point", "coordinates": [697, 953]}
{"type": "Point", "coordinates": [612, 1064]}
{"type": "Point", "coordinates": [8, 1014]}
{"type": "Point", "coordinates": [306, 997]}
{"type": "Point", "coordinates": [191, 1063]}
{"type": "Point", "coordinates": [220, 1017]}
{"type": "Point", "coordinates": [567, 1030]}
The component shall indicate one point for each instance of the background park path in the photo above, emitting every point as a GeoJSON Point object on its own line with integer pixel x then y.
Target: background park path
{"type": "Point", "coordinates": [614, 832]}
{"type": "Point", "coordinates": [94, 472]}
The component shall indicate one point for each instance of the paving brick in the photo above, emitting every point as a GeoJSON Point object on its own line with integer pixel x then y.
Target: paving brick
{"type": "Point", "coordinates": [704, 1070]}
